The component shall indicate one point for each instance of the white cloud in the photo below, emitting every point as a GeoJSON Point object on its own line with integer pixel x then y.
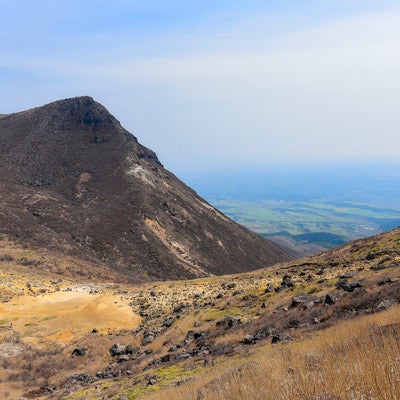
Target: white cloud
{"type": "Point", "coordinates": [329, 91]}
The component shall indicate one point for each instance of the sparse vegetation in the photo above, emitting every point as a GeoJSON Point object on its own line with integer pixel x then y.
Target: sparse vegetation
{"type": "Point", "coordinates": [357, 359]}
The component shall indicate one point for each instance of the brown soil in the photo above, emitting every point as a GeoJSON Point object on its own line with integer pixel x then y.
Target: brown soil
{"type": "Point", "coordinates": [65, 316]}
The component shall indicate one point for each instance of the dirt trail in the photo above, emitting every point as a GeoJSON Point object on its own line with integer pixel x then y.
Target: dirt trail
{"type": "Point", "coordinates": [64, 316]}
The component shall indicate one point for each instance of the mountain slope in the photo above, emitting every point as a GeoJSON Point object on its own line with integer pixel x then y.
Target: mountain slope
{"type": "Point", "coordinates": [74, 180]}
{"type": "Point", "coordinates": [262, 334]}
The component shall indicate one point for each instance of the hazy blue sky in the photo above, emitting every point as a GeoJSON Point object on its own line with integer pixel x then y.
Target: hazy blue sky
{"type": "Point", "coordinates": [218, 82]}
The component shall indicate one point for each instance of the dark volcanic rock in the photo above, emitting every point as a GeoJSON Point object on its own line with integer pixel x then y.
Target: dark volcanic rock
{"type": "Point", "coordinates": [303, 300]}
{"type": "Point", "coordinates": [72, 175]}
{"type": "Point", "coordinates": [79, 351]}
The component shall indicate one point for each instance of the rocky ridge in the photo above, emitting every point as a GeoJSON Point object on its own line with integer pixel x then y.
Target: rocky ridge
{"type": "Point", "coordinates": [75, 181]}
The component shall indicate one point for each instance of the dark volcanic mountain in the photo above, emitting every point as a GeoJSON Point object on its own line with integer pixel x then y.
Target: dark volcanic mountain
{"type": "Point", "coordinates": [75, 181]}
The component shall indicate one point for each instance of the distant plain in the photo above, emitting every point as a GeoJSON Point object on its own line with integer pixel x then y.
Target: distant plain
{"type": "Point", "coordinates": [307, 208]}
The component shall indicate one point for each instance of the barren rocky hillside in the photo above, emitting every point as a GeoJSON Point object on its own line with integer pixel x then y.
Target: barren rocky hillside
{"type": "Point", "coordinates": [73, 180]}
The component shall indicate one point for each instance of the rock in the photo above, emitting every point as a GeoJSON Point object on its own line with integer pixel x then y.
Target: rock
{"type": "Point", "coordinates": [269, 288]}
{"type": "Point", "coordinates": [281, 338]}
{"type": "Point", "coordinates": [178, 308]}
{"type": "Point", "coordinates": [123, 358]}
{"type": "Point", "coordinates": [117, 349]}
{"type": "Point", "coordinates": [197, 324]}
{"type": "Point", "coordinates": [123, 398]}
{"type": "Point", "coordinates": [248, 339]}
{"type": "Point", "coordinates": [302, 299]}
{"type": "Point", "coordinates": [50, 388]}
{"type": "Point", "coordinates": [192, 335]}
{"type": "Point", "coordinates": [151, 379]}
{"type": "Point", "coordinates": [95, 330]}
{"type": "Point", "coordinates": [149, 335]}
{"type": "Point", "coordinates": [168, 322]}
{"type": "Point", "coordinates": [131, 349]}
{"type": "Point", "coordinates": [182, 356]}
{"type": "Point", "coordinates": [330, 299]}
{"type": "Point", "coordinates": [198, 335]}
{"type": "Point", "coordinates": [229, 322]}
{"type": "Point", "coordinates": [80, 351]}
{"type": "Point", "coordinates": [384, 305]}
{"type": "Point", "coordinates": [165, 358]}
{"type": "Point", "coordinates": [348, 286]}
{"type": "Point", "coordinates": [81, 378]}
{"type": "Point", "coordinates": [287, 281]}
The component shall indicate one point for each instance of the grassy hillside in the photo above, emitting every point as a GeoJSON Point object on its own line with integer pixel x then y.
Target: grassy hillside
{"type": "Point", "coordinates": [265, 334]}
{"type": "Point", "coordinates": [356, 359]}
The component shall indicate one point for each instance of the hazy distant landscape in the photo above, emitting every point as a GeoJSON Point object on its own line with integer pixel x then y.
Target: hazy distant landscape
{"type": "Point", "coordinates": [308, 207]}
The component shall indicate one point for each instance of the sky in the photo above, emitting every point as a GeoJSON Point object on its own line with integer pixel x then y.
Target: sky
{"type": "Point", "coordinates": [217, 84]}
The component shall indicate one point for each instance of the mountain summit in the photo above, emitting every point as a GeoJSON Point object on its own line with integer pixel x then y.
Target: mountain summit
{"type": "Point", "coordinates": [75, 181]}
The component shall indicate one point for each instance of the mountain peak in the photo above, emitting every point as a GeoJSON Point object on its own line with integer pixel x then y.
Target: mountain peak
{"type": "Point", "coordinates": [80, 181]}
{"type": "Point", "coordinates": [82, 109]}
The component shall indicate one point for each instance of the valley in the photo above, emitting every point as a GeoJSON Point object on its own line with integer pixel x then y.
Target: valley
{"type": "Point", "coordinates": [307, 208]}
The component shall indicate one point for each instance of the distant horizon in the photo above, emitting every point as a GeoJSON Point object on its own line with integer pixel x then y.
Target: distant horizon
{"type": "Point", "coordinates": [256, 168]}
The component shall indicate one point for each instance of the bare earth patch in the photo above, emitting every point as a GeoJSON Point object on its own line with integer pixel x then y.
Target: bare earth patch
{"type": "Point", "coordinates": [65, 316]}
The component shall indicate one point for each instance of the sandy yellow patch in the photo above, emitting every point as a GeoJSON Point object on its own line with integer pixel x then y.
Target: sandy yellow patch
{"type": "Point", "coordinates": [64, 316]}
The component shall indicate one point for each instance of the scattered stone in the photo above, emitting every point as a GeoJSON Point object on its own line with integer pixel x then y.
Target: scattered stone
{"type": "Point", "coordinates": [183, 356]}
{"type": "Point", "coordinates": [168, 322]}
{"type": "Point", "coordinates": [281, 338]}
{"type": "Point", "coordinates": [302, 299]}
{"type": "Point", "coordinates": [248, 339]}
{"type": "Point", "coordinates": [229, 322]}
{"type": "Point", "coordinates": [149, 335]}
{"type": "Point", "coordinates": [197, 324]}
{"type": "Point", "coordinates": [117, 349]}
{"type": "Point", "coordinates": [348, 286]}
{"type": "Point", "coordinates": [269, 288]}
{"type": "Point", "coordinates": [178, 308]}
{"type": "Point", "coordinates": [50, 388]}
{"type": "Point", "coordinates": [151, 379]}
{"type": "Point", "coordinates": [390, 280]}
{"type": "Point", "coordinates": [131, 349]}
{"type": "Point", "coordinates": [385, 304]}
{"type": "Point", "coordinates": [330, 299]}
{"type": "Point", "coordinates": [80, 351]}
{"type": "Point", "coordinates": [385, 266]}
{"type": "Point", "coordinates": [165, 358]}
{"type": "Point", "coordinates": [81, 378]}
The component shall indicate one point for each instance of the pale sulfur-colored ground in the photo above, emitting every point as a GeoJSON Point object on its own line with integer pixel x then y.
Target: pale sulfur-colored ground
{"type": "Point", "coordinates": [66, 315]}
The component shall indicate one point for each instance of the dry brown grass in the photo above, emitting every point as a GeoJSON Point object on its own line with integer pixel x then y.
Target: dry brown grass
{"type": "Point", "coordinates": [357, 359]}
